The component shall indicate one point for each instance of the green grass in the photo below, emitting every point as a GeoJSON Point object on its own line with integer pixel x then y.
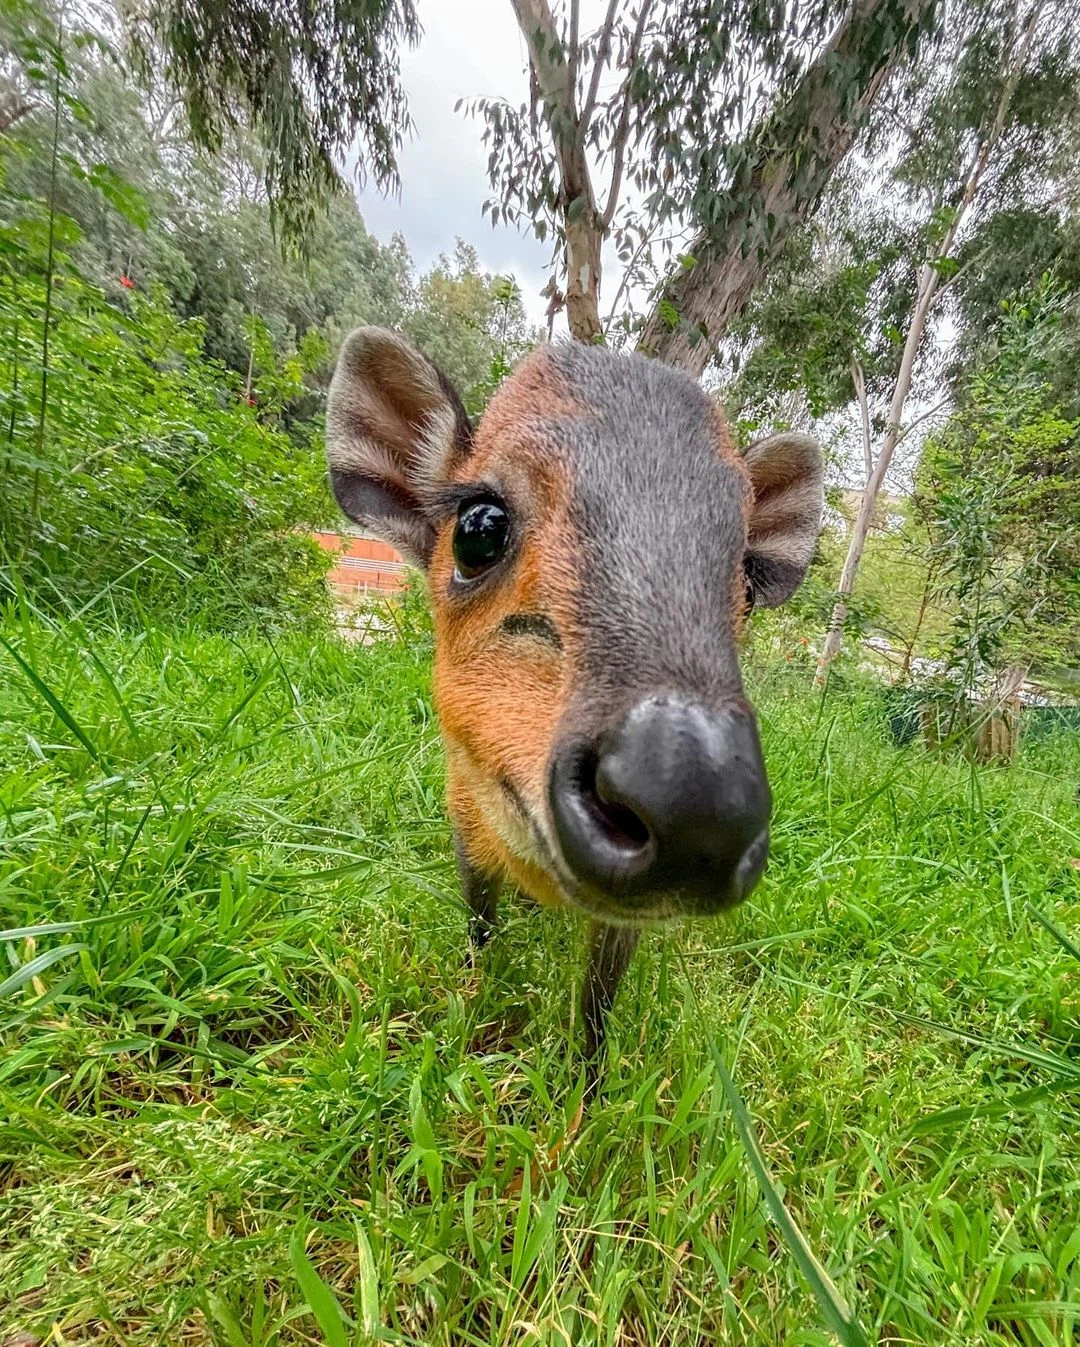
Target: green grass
{"type": "Point", "coordinates": [251, 1091]}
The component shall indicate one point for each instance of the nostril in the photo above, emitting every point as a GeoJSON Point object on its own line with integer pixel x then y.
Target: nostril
{"type": "Point", "coordinates": [618, 823]}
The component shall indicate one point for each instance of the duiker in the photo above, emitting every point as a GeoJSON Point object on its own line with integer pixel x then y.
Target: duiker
{"type": "Point", "coordinates": [593, 549]}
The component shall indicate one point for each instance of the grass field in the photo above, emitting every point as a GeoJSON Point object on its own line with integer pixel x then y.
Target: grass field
{"type": "Point", "coordinates": [247, 1070]}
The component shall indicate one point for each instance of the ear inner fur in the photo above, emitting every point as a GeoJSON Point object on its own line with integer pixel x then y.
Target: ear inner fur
{"type": "Point", "coordinates": [395, 429]}
{"type": "Point", "coordinates": [786, 475]}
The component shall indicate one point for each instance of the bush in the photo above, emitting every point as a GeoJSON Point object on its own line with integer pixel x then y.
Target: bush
{"type": "Point", "coordinates": [141, 476]}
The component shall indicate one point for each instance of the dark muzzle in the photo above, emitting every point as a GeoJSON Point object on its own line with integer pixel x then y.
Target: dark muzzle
{"type": "Point", "coordinates": [667, 810]}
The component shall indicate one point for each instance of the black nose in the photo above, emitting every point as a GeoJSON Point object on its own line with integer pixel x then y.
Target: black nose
{"type": "Point", "coordinates": [672, 803]}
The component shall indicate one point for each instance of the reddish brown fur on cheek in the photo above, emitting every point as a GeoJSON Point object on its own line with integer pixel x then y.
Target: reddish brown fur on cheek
{"type": "Point", "coordinates": [500, 696]}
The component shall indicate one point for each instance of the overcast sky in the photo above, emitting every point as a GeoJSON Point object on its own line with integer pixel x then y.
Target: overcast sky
{"type": "Point", "coordinates": [470, 49]}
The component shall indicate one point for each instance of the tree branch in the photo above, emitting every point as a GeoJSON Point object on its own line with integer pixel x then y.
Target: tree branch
{"type": "Point", "coordinates": [575, 51]}
{"type": "Point", "coordinates": [619, 142]}
{"type": "Point", "coordinates": [603, 51]}
{"type": "Point", "coordinates": [792, 155]}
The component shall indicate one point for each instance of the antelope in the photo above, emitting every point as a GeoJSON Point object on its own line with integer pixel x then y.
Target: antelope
{"type": "Point", "coordinates": [593, 548]}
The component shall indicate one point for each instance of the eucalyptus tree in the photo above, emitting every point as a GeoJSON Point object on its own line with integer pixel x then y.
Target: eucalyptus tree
{"type": "Point", "coordinates": [987, 127]}
{"type": "Point", "coordinates": [693, 136]}
{"type": "Point", "coordinates": [311, 81]}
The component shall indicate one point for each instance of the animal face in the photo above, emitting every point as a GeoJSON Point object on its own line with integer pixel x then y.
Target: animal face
{"type": "Point", "coordinates": [593, 550]}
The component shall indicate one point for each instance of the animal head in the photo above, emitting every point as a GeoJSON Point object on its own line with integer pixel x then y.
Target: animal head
{"type": "Point", "coordinates": [593, 549]}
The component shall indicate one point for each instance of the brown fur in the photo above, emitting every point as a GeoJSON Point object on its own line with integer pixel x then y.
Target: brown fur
{"type": "Point", "coordinates": [605, 467]}
{"type": "Point", "coordinates": [499, 698]}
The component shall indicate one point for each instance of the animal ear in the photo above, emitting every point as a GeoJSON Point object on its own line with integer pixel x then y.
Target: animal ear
{"type": "Point", "coordinates": [785, 519]}
{"type": "Point", "coordinates": [395, 430]}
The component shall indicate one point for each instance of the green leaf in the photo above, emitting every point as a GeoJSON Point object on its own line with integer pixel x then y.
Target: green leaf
{"type": "Point", "coordinates": [946, 267]}
{"type": "Point", "coordinates": [66, 927]}
{"type": "Point", "coordinates": [943, 1119]}
{"type": "Point", "coordinates": [321, 1301]}
{"type": "Point", "coordinates": [27, 971]}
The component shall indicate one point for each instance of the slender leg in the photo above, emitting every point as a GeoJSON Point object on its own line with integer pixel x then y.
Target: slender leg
{"type": "Point", "coordinates": [481, 892]}
{"type": "Point", "coordinates": [610, 949]}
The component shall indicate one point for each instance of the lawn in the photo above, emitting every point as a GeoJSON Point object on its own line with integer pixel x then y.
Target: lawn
{"type": "Point", "coordinates": [248, 1069]}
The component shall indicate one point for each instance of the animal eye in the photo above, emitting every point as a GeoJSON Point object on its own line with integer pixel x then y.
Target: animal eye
{"type": "Point", "coordinates": [750, 596]}
{"type": "Point", "coordinates": [480, 538]}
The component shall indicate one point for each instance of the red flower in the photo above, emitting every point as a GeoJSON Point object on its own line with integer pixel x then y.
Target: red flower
{"type": "Point", "coordinates": [127, 282]}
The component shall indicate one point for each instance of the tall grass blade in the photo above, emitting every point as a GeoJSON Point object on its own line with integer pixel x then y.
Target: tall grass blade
{"type": "Point", "coordinates": [321, 1301]}
{"type": "Point", "coordinates": [28, 971]}
{"type": "Point", "coordinates": [1055, 930]}
{"type": "Point", "coordinates": [834, 1309]}
{"type": "Point", "coordinates": [57, 705]}
{"type": "Point", "coordinates": [368, 1284]}
{"type": "Point", "coordinates": [1035, 1056]}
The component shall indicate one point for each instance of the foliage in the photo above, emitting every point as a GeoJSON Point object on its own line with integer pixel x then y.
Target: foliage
{"type": "Point", "coordinates": [1007, 256]}
{"type": "Point", "coordinates": [165, 364]}
{"type": "Point", "coordinates": [844, 289]}
{"type": "Point", "coordinates": [854, 318]}
{"type": "Point", "coordinates": [1000, 489]}
{"type": "Point", "coordinates": [311, 82]}
{"type": "Point", "coordinates": [242, 1038]}
{"type": "Point", "coordinates": [837, 299]}
{"type": "Point", "coordinates": [144, 481]}
{"type": "Point", "coordinates": [471, 324]}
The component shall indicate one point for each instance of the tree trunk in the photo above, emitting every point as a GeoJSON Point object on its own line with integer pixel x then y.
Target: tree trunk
{"type": "Point", "coordinates": [928, 284]}
{"type": "Point", "coordinates": [792, 157]}
{"type": "Point", "coordinates": [584, 226]}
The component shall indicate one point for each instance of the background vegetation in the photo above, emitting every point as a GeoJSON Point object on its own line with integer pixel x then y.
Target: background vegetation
{"type": "Point", "coordinates": [251, 1090]}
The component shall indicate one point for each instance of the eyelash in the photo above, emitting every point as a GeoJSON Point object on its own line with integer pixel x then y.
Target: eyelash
{"type": "Point", "coordinates": [444, 504]}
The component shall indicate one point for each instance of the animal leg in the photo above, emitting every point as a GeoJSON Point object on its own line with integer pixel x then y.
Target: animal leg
{"type": "Point", "coordinates": [481, 892]}
{"type": "Point", "coordinates": [610, 950]}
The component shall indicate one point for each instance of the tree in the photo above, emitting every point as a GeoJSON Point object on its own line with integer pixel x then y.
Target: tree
{"type": "Point", "coordinates": [465, 319]}
{"type": "Point", "coordinates": [777, 179]}
{"type": "Point", "coordinates": [667, 138]}
{"type": "Point", "coordinates": [1005, 257]}
{"type": "Point", "coordinates": [992, 121]}
{"type": "Point", "coordinates": [309, 80]}
{"type": "Point", "coordinates": [1000, 490]}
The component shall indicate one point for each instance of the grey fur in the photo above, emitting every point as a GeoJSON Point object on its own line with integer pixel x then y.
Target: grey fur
{"type": "Point", "coordinates": [660, 522]}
